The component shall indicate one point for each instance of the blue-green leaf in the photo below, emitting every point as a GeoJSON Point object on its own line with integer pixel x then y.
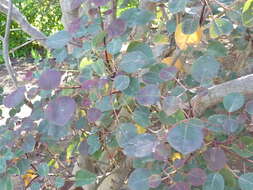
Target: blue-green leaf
{"type": "Point", "coordinates": [233, 102]}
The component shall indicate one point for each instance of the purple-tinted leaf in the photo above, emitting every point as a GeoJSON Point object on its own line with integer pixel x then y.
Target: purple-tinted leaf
{"type": "Point", "coordinates": [148, 95]}
{"type": "Point", "coordinates": [102, 82]}
{"type": "Point", "coordinates": [93, 12]}
{"type": "Point", "coordinates": [74, 25]}
{"type": "Point", "coordinates": [15, 98]}
{"type": "Point", "coordinates": [89, 84]}
{"type": "Point", "coordinates": [86, 102]}
{"type": "Point", "coordinates": [76, 3]}
{"type": "Point", "coordinates": [116, 28]}
{"type": "Point", "coordinates": [180, 186]}
{"type": "Point", "coordinates": [215, 158]}
{"type": "Point", "coordinates": [168, 73]}
{"type": "Point", "coordinates": [84, 148]}
{"type": "Point", "coordinates": [230, 125]}
{"type": "Point", "coordinates": [179, 163]}
{"type": "Point", "coordinates": [196, 176]}
{"type": "Point", "coordinates": [49, 79]}
{"type": "Point", "coordinates": [93, 114]}
{"type": "Point", "coordinates": [100, 2]}
{"type": "Point", "coordinates": [249, 107]}
{"type": "Point", "coordinates": [60, 110]}
{"type": "Point", "coordinates": [28, 76]}
{"type": "Point", "coordinates": [162, 152]}
{"type": "Point", "coordinates": [154, 180]}
{"type": "Point", "coordinates": [108, 12]}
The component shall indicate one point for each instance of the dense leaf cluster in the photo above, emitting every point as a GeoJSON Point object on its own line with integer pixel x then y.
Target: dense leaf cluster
{"type": "Point", "coordinates": [113, 98]}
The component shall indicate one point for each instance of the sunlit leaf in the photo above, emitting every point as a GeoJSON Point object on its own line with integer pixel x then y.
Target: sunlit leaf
{"type": "Point", "coordinates": [29, 176]}
{"type": "Point", "coordinates": [140, 129]}
{"type": "Point", "coordinates": [247, 13]}
{"type": "Point", "coordinates": [178, 64]}
{"type": "Point", "coordinates": [183, 41]}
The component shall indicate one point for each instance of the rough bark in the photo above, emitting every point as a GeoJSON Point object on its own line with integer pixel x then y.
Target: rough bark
{"type": "Point", "coordinates": [243, 85]}
{"type": "Point", "coordinates": [18, 17]}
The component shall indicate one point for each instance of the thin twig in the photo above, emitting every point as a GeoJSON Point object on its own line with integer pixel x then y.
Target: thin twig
{"type": "Point", "coordinates": [6, 46]}
{"type": "Point", "coordinates": [20, 46]}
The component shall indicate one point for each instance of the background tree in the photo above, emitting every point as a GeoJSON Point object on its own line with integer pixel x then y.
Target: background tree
{"type": "Point", "coordinates": [157, 95]}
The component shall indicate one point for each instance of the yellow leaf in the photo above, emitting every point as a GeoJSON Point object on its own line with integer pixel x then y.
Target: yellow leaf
{"type": "Point", "coordinates": [185, 40]}
{"type": "Point", "coordinates": [178, 64]}
{"type": "Point", "coordinates": [29, 176]}
{"type": "Point", "coordinates": [140, 129]}
{"type": "Point", "coordinates": [176, 156]}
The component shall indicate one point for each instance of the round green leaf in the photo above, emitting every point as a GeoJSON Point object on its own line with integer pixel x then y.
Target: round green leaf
{"type": "Point", "coordinates": [205, 68]}
{"type": "Point", "coordinates": [177, 6]}
{"type": "Point", "coordinates": [121, 82]}
{"type": "Point", "coordinates": [133, 61]}
{"type": "Point", "coordinates": [233, 102]}
{"type": "Point", "coordinates": [84, 177]}
{"type": "Point", "coordinates": [246, 181]}
{"type": "Point", "coordinates": [214, 181]}
{"type": "Point", "coordinates": [139, 179]}
{"type": "Point", "coordinates": [114, 46]}
{"type": "Point", "coordinates": [220, 26]}
{"type": "Point", "coordinates": [186, 137]}
{"type": "Point", "coordinates": [58, 40]}
{"type": "Point", "coordinates": [190, 26]}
